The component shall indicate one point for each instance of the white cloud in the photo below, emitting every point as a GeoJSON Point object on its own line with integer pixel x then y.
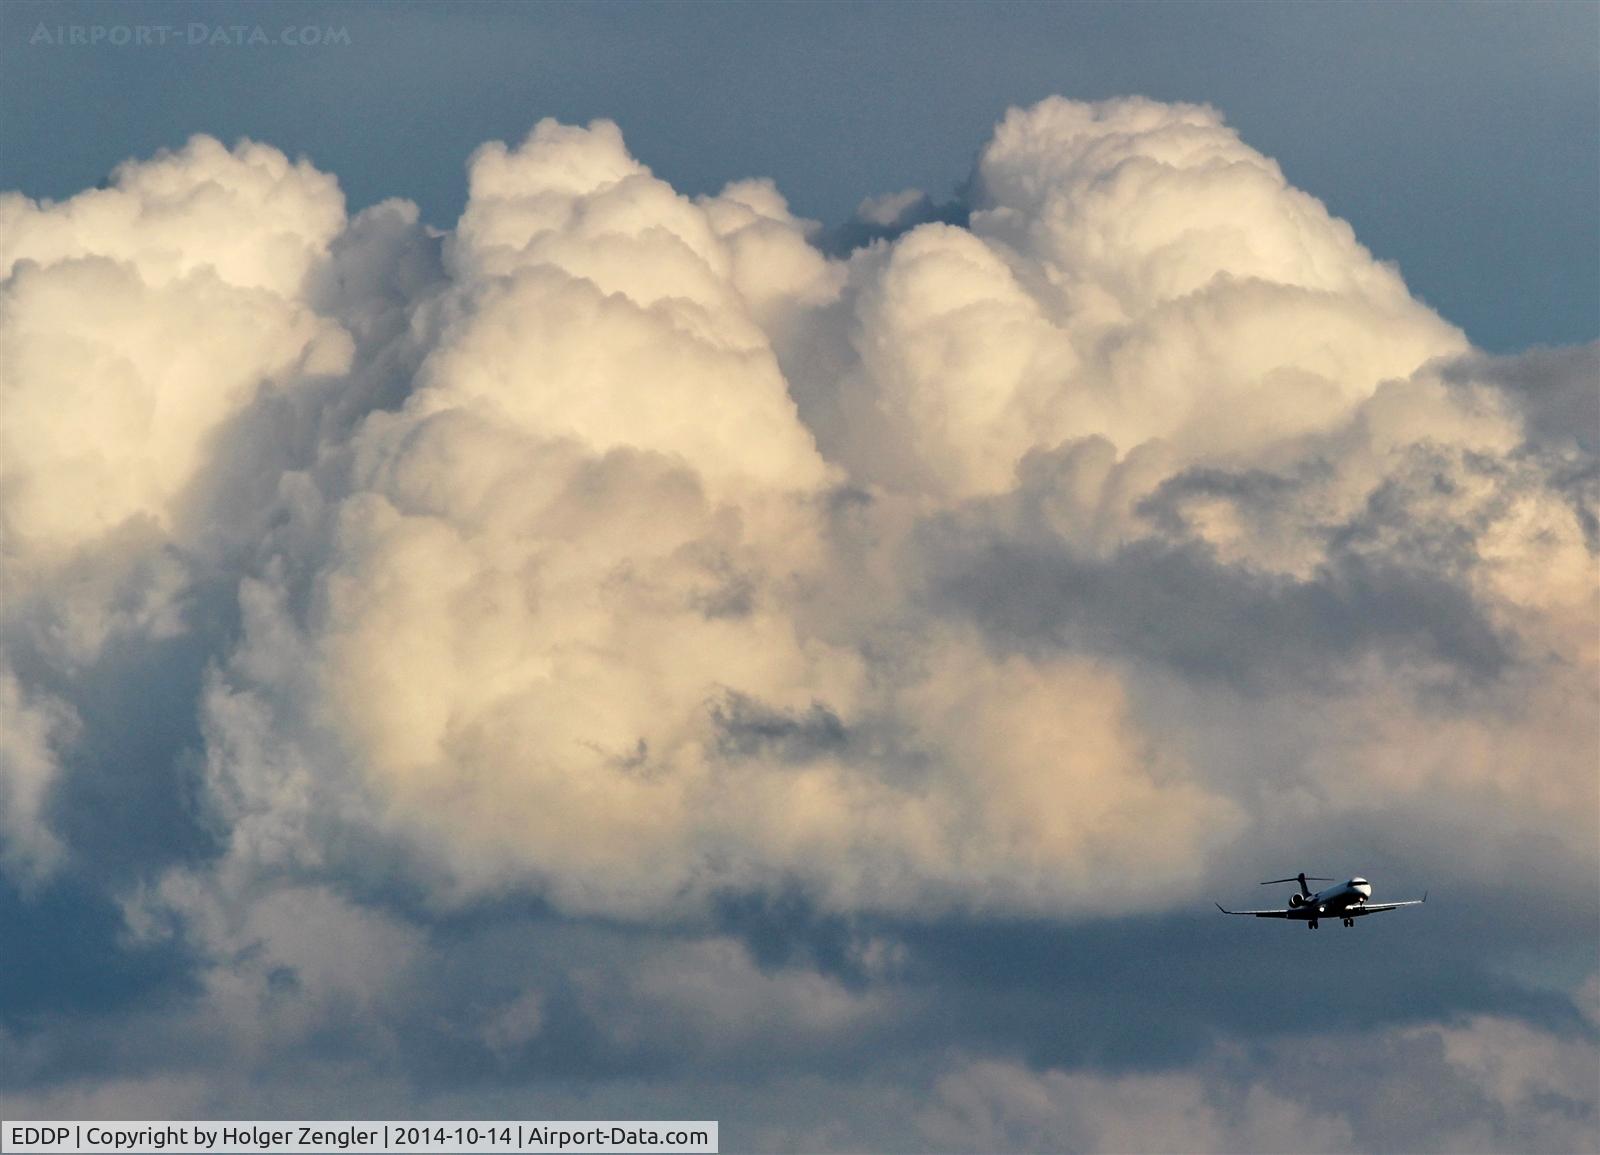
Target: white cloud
{"type": "Point", "coordinates": [136, 323]}
{"type": "Point", "coordinates": [598, 516]}
{"type": "Point", "coordinates": [249, 215]}
{"type": "Point", "coordinates": [1131, 270]}
{"type": "Point", "coordinates": [624, 551]}
{"type": "Point", "coordinates": [114, 389]}
{"type": "Point", "coordinates": [138, 318]}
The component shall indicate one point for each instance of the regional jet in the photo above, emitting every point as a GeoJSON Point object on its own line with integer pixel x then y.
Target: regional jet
{"type": "Point", "coordinates": [1347, 901]}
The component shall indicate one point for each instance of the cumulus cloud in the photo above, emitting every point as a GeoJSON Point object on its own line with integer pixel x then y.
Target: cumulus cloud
{"type": "Point", "coordinates": [1117, 422]}
{"type": "Point", "coordinates": [595, 520]}
{"type": "Point", "coordinates": [639, 556]}
{"type": "Point", "coordinates": [1130, 270]}
{"type": "Point", "coordinates": [136, 323]}
{"type": "Point", "coordinates": [137, 319]}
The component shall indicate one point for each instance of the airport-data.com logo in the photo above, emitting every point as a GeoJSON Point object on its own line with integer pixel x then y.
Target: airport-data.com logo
{"type": "Point", "coordinates": [192, 35]}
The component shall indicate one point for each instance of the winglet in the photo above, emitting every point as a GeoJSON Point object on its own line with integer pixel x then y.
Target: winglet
{"type": "Point", "coordinates": [1223, 909]}
{"type": "Point", "coordinates": [1424, 896]}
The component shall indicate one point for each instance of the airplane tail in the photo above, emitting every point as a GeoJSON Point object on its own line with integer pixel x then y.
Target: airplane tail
{"type": "Point", "coordinates": [1305, 891]}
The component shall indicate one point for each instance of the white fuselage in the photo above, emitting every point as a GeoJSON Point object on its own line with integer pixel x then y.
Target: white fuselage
{"type": "Point", "coordinates": [1333, 902]}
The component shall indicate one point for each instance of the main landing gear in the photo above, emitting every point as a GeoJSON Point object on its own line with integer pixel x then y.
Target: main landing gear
{"type": "Point", "coordinates": [1312, 924]}
{"type": "Point", "coordinates": [1349, 922]}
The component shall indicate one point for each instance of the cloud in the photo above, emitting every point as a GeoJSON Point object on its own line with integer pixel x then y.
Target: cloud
{"type": "Point", "coordinates": [1130, 270]}
{"type": "Point", "coordinates": [631, 573]}
{"type": "Point", "coordinates": [595, 518]}
{"type": "Point", "coordinates": [34, 730]}
{"type": "Point", "coordinates": [250, 215]}
{"type": "Point", "coordinates": [137, 322]}
{"type": "Point", "coordinates": [1503, 1085]}
{"type": "Point", "coordinates": [994, 1106]}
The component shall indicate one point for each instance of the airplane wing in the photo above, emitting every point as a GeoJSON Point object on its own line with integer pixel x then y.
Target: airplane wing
{"type": "Point", "coordinates": [1257, 913]}
{"type": "Point", "coordinates": [1380, 907]}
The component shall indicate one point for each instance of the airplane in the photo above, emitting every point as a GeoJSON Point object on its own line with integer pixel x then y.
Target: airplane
{"type": "Point", "coordinates": [1347, 901]}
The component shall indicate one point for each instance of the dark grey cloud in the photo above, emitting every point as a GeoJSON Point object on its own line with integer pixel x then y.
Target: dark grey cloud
{"type": "Point", "coordinates": [131, 800]}
{"type": "Point", "coordinates": [1177, 604]}
{"type": "Point", "coordinates": [1558, 390]}
{"type": "Point", "coordinates": [748, 728]}
{"type": "Point", "coordinates": [899, 216]}
{"type": "Point", "coordinates": [67, 957]}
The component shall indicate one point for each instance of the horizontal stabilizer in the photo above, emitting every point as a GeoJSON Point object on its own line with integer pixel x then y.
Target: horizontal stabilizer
{"type": "Point", "coordinates": [1298, 878]}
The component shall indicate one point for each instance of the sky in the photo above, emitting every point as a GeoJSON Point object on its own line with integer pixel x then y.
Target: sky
{"type": "Point", "coordinates": [771, 564]}
{"type": "Point", "coordinates": [1459, 140]}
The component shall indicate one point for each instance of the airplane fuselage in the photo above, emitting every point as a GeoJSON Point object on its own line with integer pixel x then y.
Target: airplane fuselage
{"type": "Point", "coordinates": [1332, 902]}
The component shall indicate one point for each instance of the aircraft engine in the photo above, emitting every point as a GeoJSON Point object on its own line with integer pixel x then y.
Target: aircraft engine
{"type": "Point", "coordinates": [1296, 900]}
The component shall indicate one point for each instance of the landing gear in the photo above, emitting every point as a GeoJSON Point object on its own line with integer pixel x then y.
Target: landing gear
{"type": "Point", "coordinates": [1312, 924]}
{"type": "Point", "coordinates": [1349, 922]}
